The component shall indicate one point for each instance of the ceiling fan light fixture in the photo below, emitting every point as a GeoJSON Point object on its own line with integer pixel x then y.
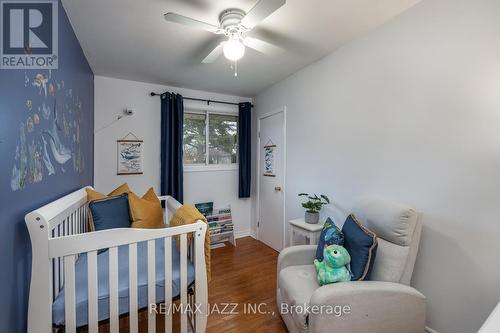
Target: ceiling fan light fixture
{"type": "Point", "coordinates": [234, 49]}
{"type": "Point", "coordinates": [234, 24]}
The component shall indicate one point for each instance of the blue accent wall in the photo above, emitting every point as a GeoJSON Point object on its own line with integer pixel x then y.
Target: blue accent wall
{"type": "Point", "coordinates": [46, 146]}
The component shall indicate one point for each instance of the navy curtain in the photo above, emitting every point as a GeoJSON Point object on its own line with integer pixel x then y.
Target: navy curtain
{"type": "Point", "coordinates": [172, 122]}
{"type": "Point", "coordinates": [244, 141]}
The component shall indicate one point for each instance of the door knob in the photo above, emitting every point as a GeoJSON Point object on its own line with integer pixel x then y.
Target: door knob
{"type": "Point", "coordinates": [277, 188]}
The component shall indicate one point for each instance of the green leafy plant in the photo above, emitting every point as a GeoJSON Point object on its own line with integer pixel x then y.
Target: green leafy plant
{"type": "Point", "coordinates": [315, 202]}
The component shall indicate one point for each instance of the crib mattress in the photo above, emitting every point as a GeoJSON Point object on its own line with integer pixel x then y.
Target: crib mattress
{"type": "Point", "coordinates": [81, 284]}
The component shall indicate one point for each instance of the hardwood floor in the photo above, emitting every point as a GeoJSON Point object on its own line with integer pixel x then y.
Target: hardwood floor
{"type": "Point", "coordinates": [243, 286]}
{"type": "Point", "coordinates": [245, 274]}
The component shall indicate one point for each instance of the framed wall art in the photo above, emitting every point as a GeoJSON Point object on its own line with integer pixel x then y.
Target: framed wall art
{"type": "Point", "coordinates": [130, 156]}
{"type": "Point", "coordinates": [270, 160]}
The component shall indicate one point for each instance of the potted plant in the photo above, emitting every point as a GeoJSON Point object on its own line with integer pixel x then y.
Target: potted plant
{"type": "Point", "coordinates": [313, 206]}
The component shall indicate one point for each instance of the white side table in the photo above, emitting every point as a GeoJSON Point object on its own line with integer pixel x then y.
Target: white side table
{"type": "Point", "coordinates": [310, 231]}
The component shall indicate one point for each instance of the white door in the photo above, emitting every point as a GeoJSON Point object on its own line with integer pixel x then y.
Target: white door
{"type": "Point", "coordinates": [271, 179]}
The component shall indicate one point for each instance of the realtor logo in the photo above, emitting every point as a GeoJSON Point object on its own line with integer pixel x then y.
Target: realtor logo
{"type": "Point", "coordinates": [29, 34]}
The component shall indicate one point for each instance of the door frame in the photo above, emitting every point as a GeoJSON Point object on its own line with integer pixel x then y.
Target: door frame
{"type": "Point", "coordinates": [283, 186]}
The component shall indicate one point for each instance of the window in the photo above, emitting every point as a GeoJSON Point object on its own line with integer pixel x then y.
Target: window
{"type": "Point", "coordinates": [210, 139]}
{"type": "Point", "coordinates": [195, 138]}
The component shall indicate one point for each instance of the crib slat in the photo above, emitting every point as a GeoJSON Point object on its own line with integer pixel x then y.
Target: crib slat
{"type": "Point", "coordinates": [53, 269]}
{"type": "Point", "coordinates": [51, 278]}
{"type": "Point", "coordinates": [84, 219]}
{"type": "Point", "coordinates": [80, 219]}
{"type": "Point", "coordinates": [77, 221]}
{"type": "Point", "coordinates": [201, 296]}
{"type": "Point", "coordinates": [183, 255]}
{"type": "Point", "coordinates": [69, 294]}
{"type": "Point", "coordinates": [92, 291]}
{"type": "Point", "coordinates": [151, 286]}
{"type": "Point", "coordinates": [55, 262]}
{"type": "Point", "coordinates": [168, 284]}
{"type": "Point", "coordinates": [113, 290]}
{"type": "Point", "coordinates": [80, 225]}
{"type": "Point", "coordinates": [132, 265]}
{"type": "Point", "coordinates": [71, 224]}
{"type": "Point", "coordinates": [61, 271]}
{"type": "Point", "coordinates": [58, 278]}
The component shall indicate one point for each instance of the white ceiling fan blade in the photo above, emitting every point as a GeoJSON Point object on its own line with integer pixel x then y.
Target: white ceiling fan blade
{"type": "Point", "coordinates": [176, 18]}
{"type": "Point", "coordinates": [260, 11]}
{"type": "Point", "coordinates": [214, 54]}
{"type": "Point", "coordinates": [262, 46]}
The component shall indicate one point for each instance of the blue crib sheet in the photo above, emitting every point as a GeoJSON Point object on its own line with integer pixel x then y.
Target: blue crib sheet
{"type": "Point", "coordinates": [81, 283]}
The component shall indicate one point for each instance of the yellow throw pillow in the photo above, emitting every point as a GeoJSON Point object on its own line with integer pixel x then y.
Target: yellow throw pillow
{"type": "Point", "coordinates": [150, 195]}
{"type": "Point", "coordinates": [119, 190]}
{"type": "Point", "coordinates": [145, 212]}
{"type": "Point", "coordinates": [94, 195]}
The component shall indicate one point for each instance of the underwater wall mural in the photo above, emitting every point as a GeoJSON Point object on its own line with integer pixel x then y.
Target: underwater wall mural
{"type": "Point", "coordinates": [49, 139]}
{"type": "Point", "coordinates": [46, 151]}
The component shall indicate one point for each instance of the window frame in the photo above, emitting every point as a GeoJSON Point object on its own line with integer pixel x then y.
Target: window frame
{"type": "Point", "coordinates": [207, 166]}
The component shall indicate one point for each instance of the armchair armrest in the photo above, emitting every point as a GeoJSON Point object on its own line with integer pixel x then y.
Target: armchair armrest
{"type": "Point", "coordinates": [296, 255]}
{"type": "Point", "coordinates": [368, 306]}
{"type": "Point", "coordinates": [170, 205]}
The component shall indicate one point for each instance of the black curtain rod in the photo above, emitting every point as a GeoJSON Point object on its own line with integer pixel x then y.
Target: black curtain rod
{"type": "Point", "coordinates": [201, 100]}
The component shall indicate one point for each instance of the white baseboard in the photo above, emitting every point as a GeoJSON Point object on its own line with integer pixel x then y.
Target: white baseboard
{"type": "Point", "coordinates": [430, 330]}
{"type": "Point", "coordinates": [241, 234]}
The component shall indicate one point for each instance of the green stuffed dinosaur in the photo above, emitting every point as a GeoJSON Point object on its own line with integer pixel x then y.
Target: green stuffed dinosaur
{"type": "Point", "coordinates": [333, 267]}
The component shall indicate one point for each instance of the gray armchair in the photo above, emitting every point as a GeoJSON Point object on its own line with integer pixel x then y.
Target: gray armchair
{"type": "Point", "coordinates": [386, 304]}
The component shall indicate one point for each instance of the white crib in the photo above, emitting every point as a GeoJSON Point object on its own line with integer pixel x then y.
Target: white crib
{"type": "Point", "coordinates": [59, 235]}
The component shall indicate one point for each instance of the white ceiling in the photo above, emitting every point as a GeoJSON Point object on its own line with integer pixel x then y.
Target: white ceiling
{"type": "Point", "coordinates": [129, 39]}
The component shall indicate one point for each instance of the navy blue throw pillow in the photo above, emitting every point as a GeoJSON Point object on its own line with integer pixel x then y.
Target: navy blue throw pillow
{"type": "Point", "coordinates": [110, 213]}
{"type": "Point", "coordinates": [330, 235]}
{"type": "Point", "coordinates": [361, 244]}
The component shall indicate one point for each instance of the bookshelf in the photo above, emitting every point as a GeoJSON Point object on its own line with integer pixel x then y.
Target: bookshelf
{"type": "Point", "coordinates": [221, 228]}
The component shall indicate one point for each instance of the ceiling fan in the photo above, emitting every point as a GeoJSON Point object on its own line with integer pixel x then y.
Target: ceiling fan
{"type": "Point", "coordinates": [234, 25]}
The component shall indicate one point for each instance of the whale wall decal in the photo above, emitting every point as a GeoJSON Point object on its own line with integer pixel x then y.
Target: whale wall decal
{"type": "Point", "coordinates": [46, 158]}
{"type": "Point", "coordinates": [60, 153]}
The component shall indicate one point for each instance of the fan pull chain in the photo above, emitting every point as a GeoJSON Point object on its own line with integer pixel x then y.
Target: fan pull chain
{"type": "Point", "coordinates": [235, 67]}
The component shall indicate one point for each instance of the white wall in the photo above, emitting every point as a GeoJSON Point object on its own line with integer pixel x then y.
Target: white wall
{"type": "Point", "coordinates": [411, 112]}
{"type": "Point", "coordinates": [114, 95]}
